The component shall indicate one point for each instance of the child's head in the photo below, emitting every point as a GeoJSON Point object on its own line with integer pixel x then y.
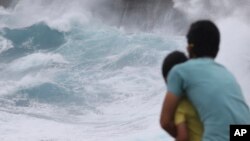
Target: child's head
{"type": "Point", "coordinates": [170, 61]}
{"type": "Point", "coordinates": [203, 39]}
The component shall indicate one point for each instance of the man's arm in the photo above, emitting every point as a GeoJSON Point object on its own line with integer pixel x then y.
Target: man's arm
{"type": "Point", "coordinates": [167, 114]}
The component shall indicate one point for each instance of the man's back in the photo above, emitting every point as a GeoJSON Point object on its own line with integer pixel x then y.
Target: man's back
{"type": "Point", "coordinates": [215, 94]}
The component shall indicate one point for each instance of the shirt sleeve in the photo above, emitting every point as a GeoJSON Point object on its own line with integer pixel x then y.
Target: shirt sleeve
{"type": "Point", "coordinates": [179, 115]}
{"type": "Point", "coordinates": [175, 82]}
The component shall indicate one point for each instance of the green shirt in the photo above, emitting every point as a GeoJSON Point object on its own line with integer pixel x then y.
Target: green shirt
{"type": "Point", "coordinates": [214, 92]}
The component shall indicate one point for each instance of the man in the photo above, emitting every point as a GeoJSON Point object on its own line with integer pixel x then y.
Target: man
{"type": "Point", "coordinates": [210, 87]}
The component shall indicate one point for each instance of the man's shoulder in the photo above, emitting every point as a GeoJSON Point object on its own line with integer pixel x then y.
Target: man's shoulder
{"type": "Point", "coordinates": [192, 63]}
{"type": "Point", "coordinates": [183, 66]}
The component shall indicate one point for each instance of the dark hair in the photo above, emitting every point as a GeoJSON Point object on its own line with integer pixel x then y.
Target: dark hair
{"type": "Point", "coordinates": [205, 37]}
{"type": "Point", "coordinates": [171, 60]}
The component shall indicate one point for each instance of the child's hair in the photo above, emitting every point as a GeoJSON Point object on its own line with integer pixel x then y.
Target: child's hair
{"type": "Point", "coordinates": [172, 59]}
{"type": "Point", "coordinates": [205, 38]}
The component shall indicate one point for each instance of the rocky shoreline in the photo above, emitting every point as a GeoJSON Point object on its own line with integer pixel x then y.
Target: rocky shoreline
{"type": "Point", "coordinates": [7, 3]}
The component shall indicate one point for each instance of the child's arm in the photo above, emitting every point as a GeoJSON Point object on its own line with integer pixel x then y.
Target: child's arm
{"type": "Point", "coordinates": [182, 132]}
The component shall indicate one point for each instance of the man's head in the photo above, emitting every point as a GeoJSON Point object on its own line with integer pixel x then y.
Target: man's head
{"type": "Point", "coordinates": [170, 61]}
{"type": "Point", "coordinates": [203, 39]}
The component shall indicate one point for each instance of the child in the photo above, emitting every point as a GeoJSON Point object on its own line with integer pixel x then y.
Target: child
{"type": "Point", "coordinates": [188, 124]}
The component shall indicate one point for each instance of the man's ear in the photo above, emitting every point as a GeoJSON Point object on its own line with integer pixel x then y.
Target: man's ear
{"type": "Point", "coordinates": [190, 50]}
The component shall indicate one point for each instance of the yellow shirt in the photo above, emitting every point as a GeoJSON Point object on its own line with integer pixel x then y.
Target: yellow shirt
{"type": "Point", "coordinates": [186, 113]}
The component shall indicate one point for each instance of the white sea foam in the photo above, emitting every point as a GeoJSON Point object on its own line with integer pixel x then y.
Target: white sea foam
{"type": "Point", "coordinates": [29, 71]}
{"type": "Point", "coordinates": [36, 60]}
{"type": "Point", "coordinates": [5, 44]}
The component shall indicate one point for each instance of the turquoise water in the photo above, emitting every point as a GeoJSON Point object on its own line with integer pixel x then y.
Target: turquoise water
{"type": "Point", "coordinates": [96, 79]}
{"type": "Point", "coordinates": [68, 75]}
